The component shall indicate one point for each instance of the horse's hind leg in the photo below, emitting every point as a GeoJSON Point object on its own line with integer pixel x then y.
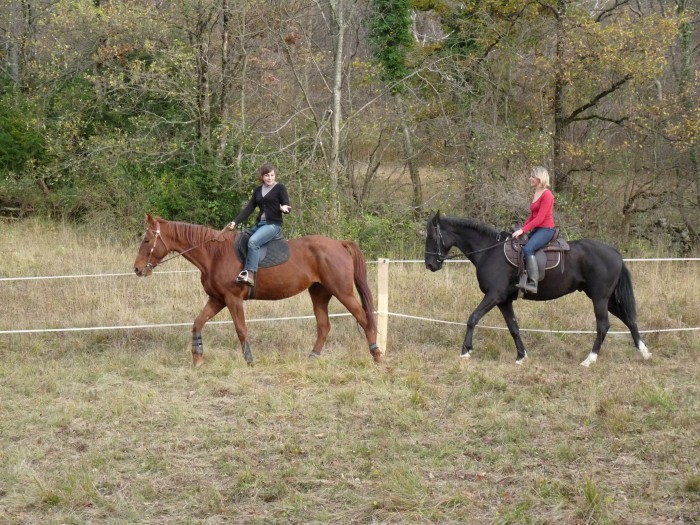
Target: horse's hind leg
{"type": "Point", "coordinates": [620, 313]}
{"type": "Point", "coordinates": [320, 297]}
{"type": "Point", "coordinates": [512, 323]}
{"type": "Point", "coordinates": [355, 308]}
{"type": "Point", "coordinates": [210, 309]}
{"type": "Point", "coordinates": [602, 322]}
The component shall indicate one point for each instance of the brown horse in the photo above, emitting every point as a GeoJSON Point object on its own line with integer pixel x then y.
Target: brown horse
{"type": "Point", "coordinates": [326, 267]}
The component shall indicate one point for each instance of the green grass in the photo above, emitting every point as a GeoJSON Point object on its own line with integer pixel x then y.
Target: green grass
{"type": "Point", "coordinates": [116, 426]}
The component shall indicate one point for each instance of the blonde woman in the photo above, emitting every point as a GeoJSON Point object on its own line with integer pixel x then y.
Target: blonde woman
{"type": "Point", "coordinates": [539, 225]}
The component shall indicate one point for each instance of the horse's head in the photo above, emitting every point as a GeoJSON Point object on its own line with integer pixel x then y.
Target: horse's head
{"type": "Point", "coordinates": [435, 249]}
{"type": "Point", "coordinates": [152, 250]}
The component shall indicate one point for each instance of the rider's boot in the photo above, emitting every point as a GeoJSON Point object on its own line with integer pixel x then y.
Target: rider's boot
{"type": "Point", "coordinates": [533, 274]}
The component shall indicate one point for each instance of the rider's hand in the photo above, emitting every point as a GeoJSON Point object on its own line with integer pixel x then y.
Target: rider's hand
{"type": "Point", "coordinates": [517, 233]}
{"type": "Point", "coordinates": [286, 208]}
{"type": "Point", "coordinates": [220, 236]}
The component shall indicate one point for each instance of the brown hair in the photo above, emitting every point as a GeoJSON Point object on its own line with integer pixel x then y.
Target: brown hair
{"type": "Point", "coordinates": [266, 168]}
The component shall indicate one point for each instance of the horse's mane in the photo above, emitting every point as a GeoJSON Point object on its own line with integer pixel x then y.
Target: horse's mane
{"type": "Point", "coordinates": [197, 235]}
{"type": "Point", "coordinates": [461, 224]}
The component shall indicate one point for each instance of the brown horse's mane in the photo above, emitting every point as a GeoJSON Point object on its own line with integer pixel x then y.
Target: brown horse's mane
{"type": "Point", "coordinates": [197, 235]}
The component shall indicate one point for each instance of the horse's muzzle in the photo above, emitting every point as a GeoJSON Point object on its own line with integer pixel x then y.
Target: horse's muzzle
{"type": "Point", "coordinates": [433, 267]}
{"type": "Point", "coordinates": [144, 272]}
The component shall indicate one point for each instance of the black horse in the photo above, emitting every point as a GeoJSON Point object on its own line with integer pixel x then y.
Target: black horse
{"type": "Point", "coordinates": [590, 266]}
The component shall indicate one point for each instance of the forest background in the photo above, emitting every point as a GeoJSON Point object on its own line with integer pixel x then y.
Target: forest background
{"type": "Point", "coordinates": [376, 112]}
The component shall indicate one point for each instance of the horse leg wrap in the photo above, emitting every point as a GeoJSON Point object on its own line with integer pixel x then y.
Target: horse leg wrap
{"type": "Point", "coordinates": [373, 347]}
{"type": "Point", "coordinates": [197, 345]}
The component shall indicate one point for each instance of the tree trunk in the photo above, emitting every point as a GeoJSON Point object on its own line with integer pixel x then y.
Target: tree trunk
{"type": "Point", "coordinates": [417, 198]}
{"type": "Point", "coordinates": [561, 180]}
{"type": "Point", "coordinates": [336, 117]}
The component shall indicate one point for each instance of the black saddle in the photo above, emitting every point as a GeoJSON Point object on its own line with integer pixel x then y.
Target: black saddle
{"type": "Point", "coordinates": [548, 257]}
{"type": "Point", "coordinates": [271, 254]}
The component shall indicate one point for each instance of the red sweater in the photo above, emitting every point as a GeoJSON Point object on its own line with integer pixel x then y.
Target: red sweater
{"type": "Point", "coordinates": [541, 213]}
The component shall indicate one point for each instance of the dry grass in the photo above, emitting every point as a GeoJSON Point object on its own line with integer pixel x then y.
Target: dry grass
{"type": "Point", "coordinates": [115, 427]}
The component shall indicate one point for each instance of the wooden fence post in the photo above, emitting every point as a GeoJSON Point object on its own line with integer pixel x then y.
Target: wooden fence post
{"type": "Point", "coordinates": [382, 303]}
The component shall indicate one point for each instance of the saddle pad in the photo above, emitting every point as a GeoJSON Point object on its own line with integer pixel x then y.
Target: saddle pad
{"type": "Point", "coordinates": [273, 253]}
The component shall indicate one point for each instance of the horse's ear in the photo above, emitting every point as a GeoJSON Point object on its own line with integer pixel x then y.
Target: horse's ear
{"type": "Point", "coordinates": [150, 220]}
{"type": "Point", "coordinates": [436, 218]}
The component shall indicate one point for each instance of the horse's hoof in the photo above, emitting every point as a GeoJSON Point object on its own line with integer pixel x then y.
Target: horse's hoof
{"type": "Point", "coordinates": [314, 355]}
{"type": "Point", "coordinates": [646, 354]}
{"type": "Point", "coordinates": [378, 356]}
{"type": "Point", "coordinates": [197, 360]}
{"type": "Point", "coordinates": [466, 355]}
{"type": "Point", "coordinates": [592, 358]}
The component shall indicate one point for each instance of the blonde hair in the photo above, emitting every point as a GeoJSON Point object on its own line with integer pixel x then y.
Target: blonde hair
{"type": "Point", "coordinates": [541, 173]}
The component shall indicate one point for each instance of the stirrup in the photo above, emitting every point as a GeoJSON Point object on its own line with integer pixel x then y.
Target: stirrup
{"type": "Point", "coordinates": [246, 277]}
{"type": "Point", "coordinates": [530, 287]}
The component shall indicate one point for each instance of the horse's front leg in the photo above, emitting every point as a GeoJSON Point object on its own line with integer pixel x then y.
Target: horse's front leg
{"type": "Point", "coordinates": [512, 323]}
{"type": "Point", "coordinates": [485, 306]}
{"type": "Point", "coordinates": [235, 306]}
{"type": "Point", "coordinates": [210, 309]}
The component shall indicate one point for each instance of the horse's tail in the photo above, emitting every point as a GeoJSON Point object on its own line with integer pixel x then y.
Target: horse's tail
{"type": "Point", "coordinates": [623, 297]}
{"type": "Point", "coordinates": [360, 277]}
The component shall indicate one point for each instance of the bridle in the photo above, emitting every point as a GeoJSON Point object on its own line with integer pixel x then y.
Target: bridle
{"type": "Point", "coordinates": [156, 235]}
{"type": "Point", "coordinates": [442, 249]}
{"type": "Point", "coordinates": [440, 246]}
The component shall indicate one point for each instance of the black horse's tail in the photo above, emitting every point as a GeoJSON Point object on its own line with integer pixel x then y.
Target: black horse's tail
{"type": "Point", "coordinates": [623, 298]}
{"type": "Point", "coordinates": [360, 277]}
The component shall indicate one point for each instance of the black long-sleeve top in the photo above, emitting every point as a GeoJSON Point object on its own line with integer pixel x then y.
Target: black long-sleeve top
{"type": "Point", "coordinates": [270, 204]}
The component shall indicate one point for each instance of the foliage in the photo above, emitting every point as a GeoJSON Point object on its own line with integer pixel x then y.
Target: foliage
{"type": "Point", "coordinates": [112, 109]}
{"type": "Point", "coordinates": [22, 144]}
{"type": "Point", "coordinates": [390, 38]}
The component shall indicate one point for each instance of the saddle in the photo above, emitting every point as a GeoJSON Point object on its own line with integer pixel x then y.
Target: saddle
{"type": "Point", "coordinates": [271, 254]}
{"type": "Point", "coordinates": [548, 257]}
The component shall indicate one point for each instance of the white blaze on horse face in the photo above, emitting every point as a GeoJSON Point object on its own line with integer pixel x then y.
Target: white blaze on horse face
{"type": "Point", "coordinates": [592, 358]}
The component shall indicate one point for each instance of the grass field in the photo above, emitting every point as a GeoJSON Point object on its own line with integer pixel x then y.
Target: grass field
{"type": "Point", "coordinates": [115, 426]}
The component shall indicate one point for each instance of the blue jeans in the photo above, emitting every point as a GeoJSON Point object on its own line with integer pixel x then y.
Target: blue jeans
{"type": "Point", "coordinates": [539, 237]}
{"type": "Point", "coordinates": [262, 234]}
